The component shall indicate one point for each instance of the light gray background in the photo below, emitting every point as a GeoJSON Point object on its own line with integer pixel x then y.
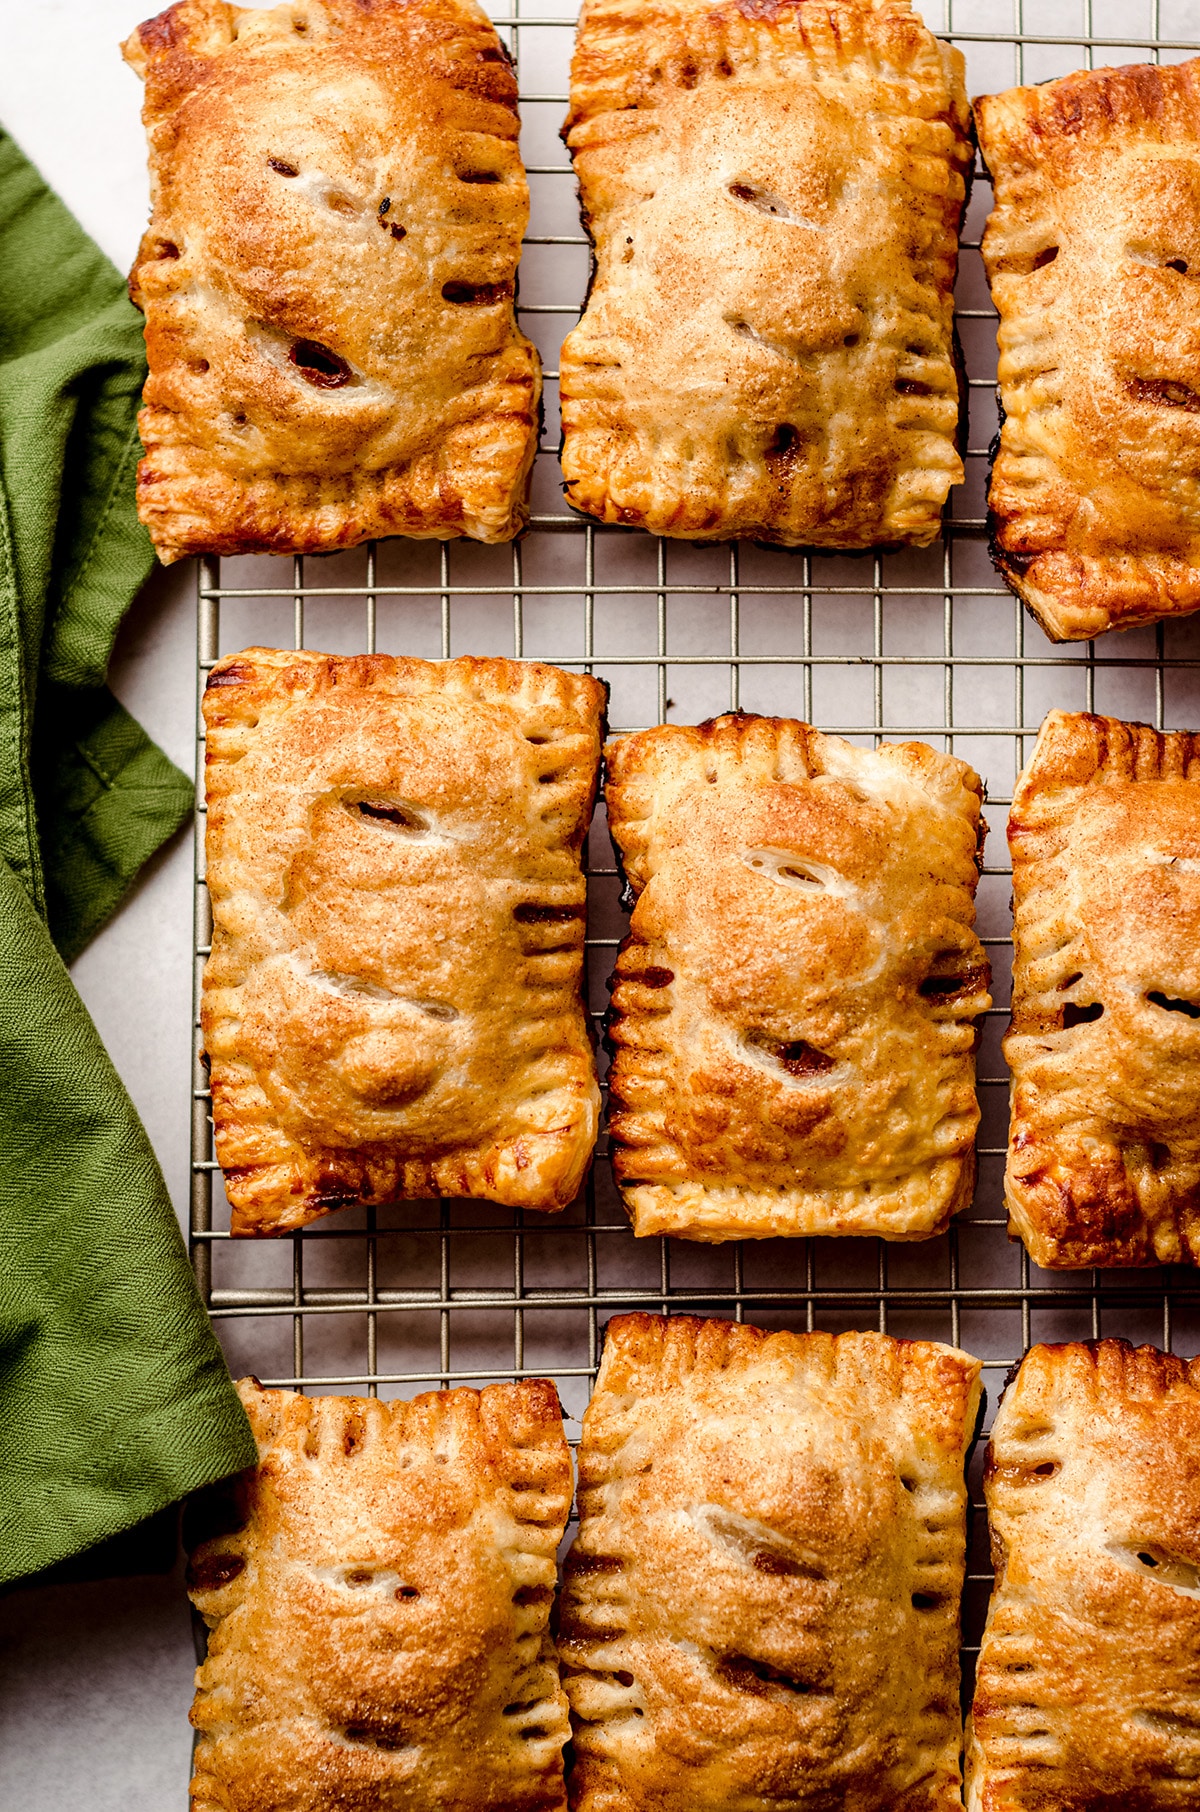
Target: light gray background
{"type": "Point", "coordinates": [97, 1679]}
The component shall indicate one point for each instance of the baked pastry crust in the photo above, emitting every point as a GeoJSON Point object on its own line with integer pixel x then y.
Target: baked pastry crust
{"type": "Point", "coordinates": [378, 1594]}
{"type": "Point", "coordinates": [392, 1004]}
{"type": "Point", "coordinates": [793, 1019]}
{"type": "Point", "coordinates": [761, 1609]}
{"type": "Point", "coordinates": [1104, 1044]}
{"type": "Point", "coordinates": [1088, 1685]}
{"type": "Point", "coordinates": [797, 173]}
{"type": "Point", "coordinates": [1093, 252]}
{"type": "Point", "coordinates": [328, 277]}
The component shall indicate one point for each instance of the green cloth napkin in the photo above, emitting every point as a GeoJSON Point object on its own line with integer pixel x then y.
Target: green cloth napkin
{"type": "Point", "coordinates": [114, 1397]}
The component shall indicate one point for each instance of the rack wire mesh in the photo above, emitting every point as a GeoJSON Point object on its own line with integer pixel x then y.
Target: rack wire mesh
{"type": "Point", "coordinates": [920, 643]}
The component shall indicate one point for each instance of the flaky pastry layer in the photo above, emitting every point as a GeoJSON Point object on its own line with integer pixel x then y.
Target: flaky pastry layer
{"type": "Point", "coordinates": [1087, 1696]}
{"type": "Point", "coordinates": [328, 277]}
{"type": "Point", "coordinates": [1104, 1044]}
{"type": "Point", "coordinates": [774, 193]}
{"type": "Point", "coordinates": [761, 1609]}
{"type": "Point", "coordinates": [378, 1592]}
{"type": "Point", "coordinates": [1093, 253]}
{"type": "Point", "coordinates": [392, 1004]}
{"type": "Point", "coordinates": [794, 1010]}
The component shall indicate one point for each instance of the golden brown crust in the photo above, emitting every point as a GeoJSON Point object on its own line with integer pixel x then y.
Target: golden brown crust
{"type": "Point", "coordinates": [796, 172]}
{"type": "Point", "coordinates": [795, 1006]}
{"type": "Point", "coordinates": [1088, 1687]}
{"type": "Point", "coordinates": [762, 1607]}
{"type": "Point", "coordinates": [1093, 252]}
{"type": "Point", "coordinates": [1104, 1044]}
{"type": "Point", "coordinates": [379, 1603]}
{"type": "Point", "coordinates": [392, 1004]}
{"type": "Point", "coordinates": [338, 204]}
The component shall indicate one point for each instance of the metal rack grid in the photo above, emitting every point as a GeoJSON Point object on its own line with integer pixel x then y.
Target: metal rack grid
{"type": "Point", "coordinates": [925, 644]}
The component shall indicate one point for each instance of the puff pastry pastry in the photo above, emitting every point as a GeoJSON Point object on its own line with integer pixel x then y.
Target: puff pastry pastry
{"type": "Point", "coordinates": [1088, 1687]}
{"type": "Point", "coordinates": [774, 192]}
{"type": "Point", "coordinates": [392, 1004]}
{"type": "Point", "coordinates": [794, 1013]}
{"type": "Point", "coordinates": [1093, 252]}
{"type": "Point", "coordinates": [328, 277]}
{"type": "Point", "coordinates": [378, 1593]}
{"type": "Point", "coordinates": [761, 1610]}
{"type": "Point", "coordinates": [1104, 1044]}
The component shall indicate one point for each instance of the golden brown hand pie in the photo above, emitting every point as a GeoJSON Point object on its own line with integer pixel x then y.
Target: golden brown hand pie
{"type": "Point", "coordinates": [774, 192]}
{"type": "Point", "coordinates": [1104, 1045]}
{"type": "Point", "coordinates": [338, 204]}
{"type": "Point", "coordinates": [794, 1011]}
{"type": "Point", "coordinates": [1088, 1688]}
{"type": "Point", "coordinates": [761, 1610]}
{"type": "Point", "coordinates": [1093, 252]}
{"type": "Point", "coordinates": [392, 1004]}
{"type": "Point", "coordinates": [378, 1590]}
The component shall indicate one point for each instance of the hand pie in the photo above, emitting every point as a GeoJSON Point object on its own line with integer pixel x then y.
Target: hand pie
{"type": "Point", "coordinates": [328, 277]}
{"type": "Point", "coordinates": [1087, 1695]}
{"type": "Point", "coordinates": [774, 193]}
{"type": "Point", "coordinates": [378, 1590]}
{"type": "Point", "coordinates": [1104, 1044]}
{"type": "Point", "coordinates": [1093, 252]}
{"type": "Point", "coordinates": [392, 1004]}
{"type": "Point", "coordinates": [762, 1606]}
{"type": "Point", "coordinates": [793, 1020]}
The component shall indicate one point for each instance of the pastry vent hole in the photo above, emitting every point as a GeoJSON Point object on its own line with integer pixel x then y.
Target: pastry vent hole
{"type": "Point", "coordinates": [926, 1601]}
{"type": "Point", "coordinates": [1178, 264]}
{"type": "Point", "coordinates": [405, 1592]}
{"type": "Point", "coordinates": [763, 200]}
{"type": "Point", "coordinates": [374, 1736]}
{"type": "Point", "coordinates": [760, 1679]}
{"type": "Point", "coordinates": [1170, 1004]}
{"type": "Point", "coordinates": [654, 977]}
{"type": "Point", "coordinates": [394, 814]}
{"type": "Point", "coordinates": [792, 871]}
{"type": "Point", "coordinates": [1070, 981]}
{"type": "Point", "coordinates": [1156, 1563]}
{"type": "Point", "coordinates": [1168, 392]}
{"type": "Point", "coordinates": [795, 1056]}
{"type": "Point", "coordinates": [1046, 256]}
{"type": "Point", "coordinates": [1179, 1723]}
{"type": "Point", "coordinates": [480, 176]}
{"type": "Point", "coordinates": [475, 295]}
{"type": "Point", "coordinates": [319, 366]}
{"type": "Point", "coordinates": [351, 986]}
{"type": "Point", "coordinates": [1073, 1015]}
{"type": "Point", "coordinates": [583, 1564]}
{"type": "Point", "coordinates": [913, 387]}
{"type": "Point", "coordinates": [282, 167]}
{"type": "Point", "coordinates": [166, 249]}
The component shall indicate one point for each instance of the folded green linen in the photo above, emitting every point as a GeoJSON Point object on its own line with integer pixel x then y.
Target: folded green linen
{"type": "Point", "coordinates": [114, 1397]}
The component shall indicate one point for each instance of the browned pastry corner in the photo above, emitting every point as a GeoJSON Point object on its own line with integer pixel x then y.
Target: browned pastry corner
{"type": "Point", "coordinates": [794, 1011]}
{"type": "Point", "coordinates": [377, 1592]}
{"type": "Point", "coordinates": [1087, 1694]}
{"type": "Point", "coordinates": [1093, 253]}
{"type": "Point", "coordinates": [392, 1004]}
{"type": "Point", "coordinates": [328, 277]}
{"type": "Point", "coordinates": [1104, 1044]}
{"type": "Point", "coordinates": [774, 192]}
{"type": "Point", "coordinates": [761, 1609]}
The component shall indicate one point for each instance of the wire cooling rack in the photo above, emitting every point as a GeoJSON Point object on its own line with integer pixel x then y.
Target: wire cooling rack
{"type": "Point", "coordinates": [921, 643]}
